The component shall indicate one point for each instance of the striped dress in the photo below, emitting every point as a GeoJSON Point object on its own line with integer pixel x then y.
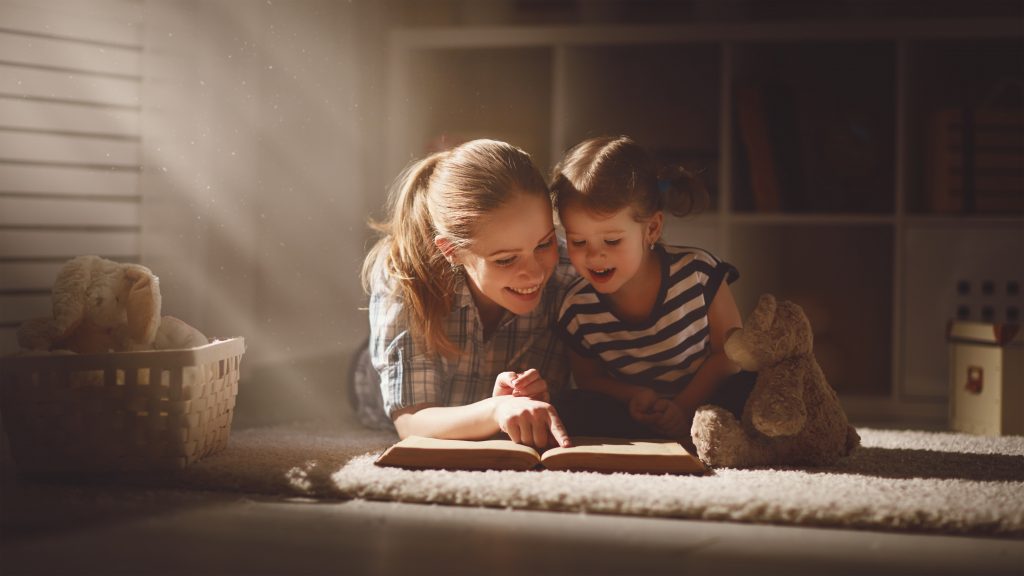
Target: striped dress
{"type": "Point", "coordinates": [664, 351]}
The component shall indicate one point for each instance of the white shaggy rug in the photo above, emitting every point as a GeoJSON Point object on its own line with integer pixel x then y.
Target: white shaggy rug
{"type": "Point", "coordinates": [898, 480]}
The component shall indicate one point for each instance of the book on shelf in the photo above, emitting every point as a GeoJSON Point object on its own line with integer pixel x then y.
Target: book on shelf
{"type": "Point", "coordinates": [754, 133]}
{"type": "Point", "coordinates": [587, 454]}
{"type": "Point", "coordinates": [976, 160]}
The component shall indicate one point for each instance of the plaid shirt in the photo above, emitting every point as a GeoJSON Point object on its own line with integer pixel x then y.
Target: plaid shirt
{"type": "Point", "coordinates": [409, 375]}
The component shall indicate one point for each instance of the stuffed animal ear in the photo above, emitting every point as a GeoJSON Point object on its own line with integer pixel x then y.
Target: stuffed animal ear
{"type": "Point", "coordinates": [760, 320]}
{"type": "Point", "coordinates": [143, 303]}
{"type": "Point", "coordinates": [70, 294]}
{"type": "Point", "coordinates": [798, 327]}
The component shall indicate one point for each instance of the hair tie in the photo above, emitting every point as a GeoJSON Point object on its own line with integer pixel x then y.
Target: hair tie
{"type": "Point", "coordinates": [664, 184]}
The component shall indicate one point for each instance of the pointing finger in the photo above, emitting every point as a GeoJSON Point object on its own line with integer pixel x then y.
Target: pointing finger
{"type": "Point", "coordinates": [558, 430]}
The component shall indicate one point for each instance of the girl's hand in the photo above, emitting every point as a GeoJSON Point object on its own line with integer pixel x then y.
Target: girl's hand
{"type": "Point", "coordinates": [671, 421]}
{"type": "Point", "coordinates": [530, 422]}
{"type": "Point", "coordinates": [659, 414]}
{"type": "Point", "coordinates": [642, 406]}
{"type": "Point", "coordinates": [527, 384]}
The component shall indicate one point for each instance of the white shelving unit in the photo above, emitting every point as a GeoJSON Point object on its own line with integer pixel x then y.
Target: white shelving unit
{"type": "Point", "coordinates": [874, 269]}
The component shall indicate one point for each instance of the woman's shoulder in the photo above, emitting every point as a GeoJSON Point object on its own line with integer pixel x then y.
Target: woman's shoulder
{"type": "Point", "coordinates": [564, 274]}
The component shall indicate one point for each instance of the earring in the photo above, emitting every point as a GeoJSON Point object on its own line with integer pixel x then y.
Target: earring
{"type": "Point", "coordinates": [652, 245]}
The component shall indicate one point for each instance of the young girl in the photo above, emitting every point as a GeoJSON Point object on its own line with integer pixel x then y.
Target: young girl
{"type": "Point", "coordinates": [464, 288]}
{"type": "Point", "coordinates": [646, 322]}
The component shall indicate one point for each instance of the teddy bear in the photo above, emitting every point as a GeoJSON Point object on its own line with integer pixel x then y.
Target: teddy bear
{"type": "Point", "coordinates": [792, 416]}
{"type": "Point", "coordinates": [100, 305]}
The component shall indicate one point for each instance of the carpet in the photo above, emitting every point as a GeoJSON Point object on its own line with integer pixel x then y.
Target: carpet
{"type": "Point", "coordinates": [898, 480]}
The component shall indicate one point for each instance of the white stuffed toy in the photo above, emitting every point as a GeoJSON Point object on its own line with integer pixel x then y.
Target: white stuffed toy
{"type": "Point", "coordinates": [104, 306]}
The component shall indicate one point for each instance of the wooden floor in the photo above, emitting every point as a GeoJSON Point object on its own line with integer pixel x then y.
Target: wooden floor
{"type": "Point", "coordinates": [51, 529]}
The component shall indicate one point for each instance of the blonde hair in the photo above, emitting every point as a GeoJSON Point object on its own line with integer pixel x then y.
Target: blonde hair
{"type": "Point", "coordinates": [606, 174]}
{"type": "Point", "coordinates": [445, 194]}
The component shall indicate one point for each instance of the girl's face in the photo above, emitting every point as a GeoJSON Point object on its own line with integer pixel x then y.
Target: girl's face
{"type": "Point", "coordinates": [608, 250]}
{"type": "Point", "coordinates": [512, 255]}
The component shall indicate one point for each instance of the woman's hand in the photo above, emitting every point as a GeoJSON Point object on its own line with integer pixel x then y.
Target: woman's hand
{"type": "Point", "coordinates": [527, 384]}
{"type": "Point", "coordinates": [530, 422]}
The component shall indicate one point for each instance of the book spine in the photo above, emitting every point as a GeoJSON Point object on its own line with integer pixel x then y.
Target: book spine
{"type": "Point", "coordinates": [754, 133]}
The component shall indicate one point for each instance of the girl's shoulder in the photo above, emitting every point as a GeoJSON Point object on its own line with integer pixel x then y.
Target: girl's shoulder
{"type": "Point", "coordinates": [679, 256]}
{"type": "Point", "coordinates": [686, 260]}
{"type": "Point", "coordinates": [579, 293]}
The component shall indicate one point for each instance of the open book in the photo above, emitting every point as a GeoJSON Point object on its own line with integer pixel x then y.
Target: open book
{"type": "Point", "coordinates": [589, 454]}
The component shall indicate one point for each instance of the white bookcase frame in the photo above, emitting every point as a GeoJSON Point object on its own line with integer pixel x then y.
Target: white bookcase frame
{"type": "Point", "coordinates": [902, 405]}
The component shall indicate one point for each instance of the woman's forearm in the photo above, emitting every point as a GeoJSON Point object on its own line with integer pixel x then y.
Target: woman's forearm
{"type": "Point", "coordinates": [470, 422]}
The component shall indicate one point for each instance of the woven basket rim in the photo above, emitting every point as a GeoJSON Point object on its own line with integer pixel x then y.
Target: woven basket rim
{"type": "Point", "coordinates": [207, 353]}
{"type": "Point", "coordinates": [119, 412]}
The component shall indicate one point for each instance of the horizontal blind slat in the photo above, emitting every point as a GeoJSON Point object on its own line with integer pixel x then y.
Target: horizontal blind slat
{"type": "Point", "coordinates": [21, 211]}
{"type": "Point", "coordinates": [68, 87]}
{"type": "Point", "coordinates": [61, 180]}
{"type": "Point", "coordinates": [18, 308]}
{"type": "Point", "coordinates": [58, 117]}
{"type": "Point", "coordinates": [68, 54]}
{"type": "Point", "coordinates": [107, 21]}
{"type": "Point", "coordinates": [23, 276]}
{"type": "Point", "coordinates": [20, 146]}
{"type": "Point", "coordinates": [32, 244]}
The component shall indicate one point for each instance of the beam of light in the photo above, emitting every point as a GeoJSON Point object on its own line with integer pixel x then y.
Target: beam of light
{"type": "Point", "coordinates": [249, 176]}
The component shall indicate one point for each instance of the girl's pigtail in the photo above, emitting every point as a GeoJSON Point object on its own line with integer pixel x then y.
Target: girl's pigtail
{"type": "Point", "coordinates": [682, 192]}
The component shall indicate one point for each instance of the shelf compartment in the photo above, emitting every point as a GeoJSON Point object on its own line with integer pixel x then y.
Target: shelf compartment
{"type": "Point", "coordinates": [814, 127]}
{"type": "Point", "coordinates": [842, 277]}
{"type": "Point", "coordinates": [666, 97]}
{"type": "Point", "coordinates": [966, 124]}
{"type": "Point", "coordinates": [463, 94]}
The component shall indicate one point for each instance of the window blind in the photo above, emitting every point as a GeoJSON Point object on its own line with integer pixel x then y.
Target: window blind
{"type": "Point", "coordinates": [70, 83]}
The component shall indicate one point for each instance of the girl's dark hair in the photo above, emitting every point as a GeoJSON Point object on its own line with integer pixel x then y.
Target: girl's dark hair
{"type": "Point", "coordinates": [606, 174]}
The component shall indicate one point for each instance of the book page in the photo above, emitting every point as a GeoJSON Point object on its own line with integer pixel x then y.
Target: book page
{"type": "Point", "coordinates": [420, 452]}
{"type": "Point", "coordinates": [623, 455]}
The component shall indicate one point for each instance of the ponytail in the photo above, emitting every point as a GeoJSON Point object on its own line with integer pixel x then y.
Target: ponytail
{"type": "Point", "coordinates": [406, 253]}
{"type": "Point", "coordinates": [682, 192]}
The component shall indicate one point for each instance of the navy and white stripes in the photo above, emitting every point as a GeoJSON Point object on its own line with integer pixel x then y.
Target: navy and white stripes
{"type": "Point", "coordinates": [665, 350]}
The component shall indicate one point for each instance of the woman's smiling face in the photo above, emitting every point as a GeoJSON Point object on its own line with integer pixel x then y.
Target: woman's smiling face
{"type": "Point", "coordinates": [512, 255]}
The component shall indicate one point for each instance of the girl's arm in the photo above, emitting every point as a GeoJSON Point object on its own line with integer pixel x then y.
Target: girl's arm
{"type": "Point", "coordinates": [589, 374]}
{"type": "Point", "coordinates": [525, 420]}
{"type": "Point", "coordinates": [723, 318]}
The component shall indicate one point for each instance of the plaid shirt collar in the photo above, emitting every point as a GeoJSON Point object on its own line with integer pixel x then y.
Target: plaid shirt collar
{"type": "Point", "coordinates": [464, 299]}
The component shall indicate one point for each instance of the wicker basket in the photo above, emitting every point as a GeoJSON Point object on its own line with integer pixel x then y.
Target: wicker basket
{"type": "Point", "coordinates": [119, 412]}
